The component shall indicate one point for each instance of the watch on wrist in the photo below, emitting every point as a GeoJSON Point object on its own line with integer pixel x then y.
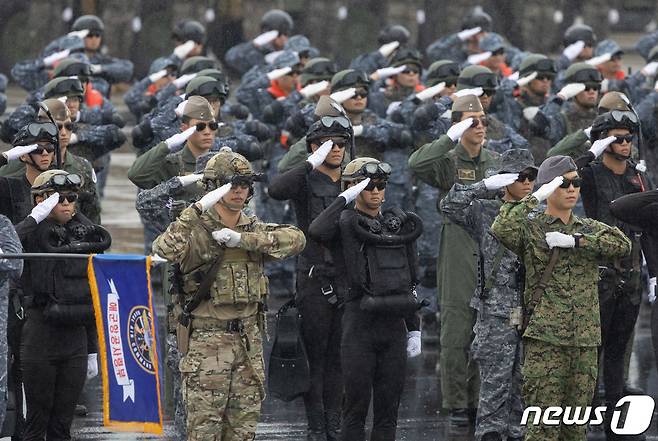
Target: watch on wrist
{"type": "Point", "coordinates": [577, 237]}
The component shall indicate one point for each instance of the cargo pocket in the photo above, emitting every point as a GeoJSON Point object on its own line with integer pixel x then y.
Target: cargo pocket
{"type": "Point", "coordinates": [188, 368]}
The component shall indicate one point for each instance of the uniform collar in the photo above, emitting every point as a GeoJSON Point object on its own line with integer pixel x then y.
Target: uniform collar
{"type": "Point", "coordinates": [187, 156]}
{"type": "Point", "coordinates": [485, 155]}
{"type": "Point", "coordinates": [243, 220]}
{"type": "Point", "coordinates": [573, 220]}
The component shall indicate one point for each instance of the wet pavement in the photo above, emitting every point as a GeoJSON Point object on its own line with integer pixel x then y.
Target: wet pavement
{"type": "Point", "coordinates": [419, 416]}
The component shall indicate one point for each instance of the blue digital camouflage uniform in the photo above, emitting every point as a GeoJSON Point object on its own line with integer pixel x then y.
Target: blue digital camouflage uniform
{"type": "Point", "coordinates": [497, 343]}
{"type": "Point", "coordinates": [244, 56]}
{"type": "Point", "coordinates": [564, 331]}
{"type": "Point", "coordinates": [451, 47]}
{"type": "Point", "coordinates": [3, 97]}
{"type": "Point", "coordinates": [646, 110]}
{"type": "Point", "coordinates": [369, 62]}
{"type": "Point", "coordinates": [557, 118]}
{"type": "Point", "coordinates": [10, 269]}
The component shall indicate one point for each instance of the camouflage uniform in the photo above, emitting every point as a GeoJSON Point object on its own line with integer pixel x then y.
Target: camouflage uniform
{"type": "Point", "coordinates": [3, 97]}
{"type": "Point", "coordinates": [564, 331]}
{"type": "Point", "coordinates": [159, 164]}
{"type": "Point", "coordinates": [646, 110]}
{"type": "Point", "coordinates": [10, 270]}
{"type": "Point", "coordinates": [223, 372]}
{"type": "Point", "coordinates": [88, 202]}
{"type": "Point", "coordinates": [497, 344]}
{"type": "Point", "coordinates": [441, 164]}
{"type": "Point", "coordinates": [562, 119]}
{"type": "Point", "coordinates": [244, 56]}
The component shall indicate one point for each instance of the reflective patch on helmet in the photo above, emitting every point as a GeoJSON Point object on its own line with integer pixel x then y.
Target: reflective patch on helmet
{"type": "Point", "coordinates": [93, 176]}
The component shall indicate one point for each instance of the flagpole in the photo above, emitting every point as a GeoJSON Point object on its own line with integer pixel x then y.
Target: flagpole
{"type": "Point", "coordinates": [155, 259]}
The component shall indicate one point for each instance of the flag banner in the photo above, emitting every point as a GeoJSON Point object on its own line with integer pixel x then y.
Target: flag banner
{"type": "Point", "coordinates": [126, 324]}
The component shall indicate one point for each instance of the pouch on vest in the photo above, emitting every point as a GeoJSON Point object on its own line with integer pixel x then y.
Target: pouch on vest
{"type": "Point", "coordinates": [289, 374]}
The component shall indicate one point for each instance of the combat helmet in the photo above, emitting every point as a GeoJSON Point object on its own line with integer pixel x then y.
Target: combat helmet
{"type": "Point", "coordinates": [349, 78]}
{"type": "Point", "coordinates": [331, 120]}
{"type": "Point", "coordinates": [615, 119]}
{"type": "Point", "coordinates": [582, 73]}
{"type": "Point", "coordinates": [393, 33]}
{"type": "Point", "coordinates": [55, 180]}
{"type": "Point", "coordinates": [63, 86]}
{"type": "Point", "coordinates": [207, 87]}
{"type": "Point", "coordinates": [196, 64]}
{"type": "Point", "coordinates": [90, 23]}
{"type": "Point", "coordinates": [365, 167]}
{"type": "Point", "coordinates": [477, 76]}
{"type": "Point", "coordinates": [72, 67]}
{"type": "Point", "coordinates": [537, 63]}
{"type": "Point", "coordinates": [446, 71]}
{"type": "Point", "coordinates": [477, 18]}
{"type": "Point", "coordinates": [614, 101]}
{"type": "Point", "coordinates": [188, 29]}
{"type": "Point", "coordinates": [277, 20]}
{"type": "Point", "coordinates": [317, 69]}
{"type": "Point", "coordinates": [579, 32]}
{"type": "Point", "coordinates": [228, 166]}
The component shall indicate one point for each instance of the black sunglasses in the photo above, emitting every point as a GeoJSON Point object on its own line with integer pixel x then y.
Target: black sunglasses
{"type": "Point", "coordinates": [489, 92]}
{"type": "Point", "coordinates": [530, 176]}
{"type": "Point", "coordinates": [48, 148]}
{"type": "Point", "coordinates": [68, 126]}
{"type": "Point", "coordinates": [500, 51]}
{"type": "Point", "coordinates": [361, 93]}
{"type": "Point", "coordinates": [411, 70]}
{"type": "Point", "coordinates": [576, 182]}
{"type": "Point", "coordinates": [623, 138]}
{"type": "Point", "coordinates": [545, 76]}
{"type": "Point", "coordinates": [593, 86]}
{"type": "Point", "coordinates": [481, 120]}
{"type": "Point", "coordinates": [212, 125]}
{"type": "Point", "coordinates": [379, 185]}
{"type": "Point", "coordinates": [95, 34]}
{"type": "Point", "coordinates": [71, 197]}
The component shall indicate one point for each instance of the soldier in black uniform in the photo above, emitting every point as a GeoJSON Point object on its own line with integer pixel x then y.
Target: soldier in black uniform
{"type": "Point", "coordinates": [379, 321]}
{"type": "Point", "coordinates": [312, 186]}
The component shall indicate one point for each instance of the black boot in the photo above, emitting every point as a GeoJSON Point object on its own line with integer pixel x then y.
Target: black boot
{"type": "Point", "coordinates": [332, 419]}
{"type": "Point", "coordinates": [459, 418]}
{"type": "Point", "coordinates": [316, 427]}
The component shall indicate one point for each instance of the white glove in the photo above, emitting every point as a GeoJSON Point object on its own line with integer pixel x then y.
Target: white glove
{"type": "Point", "coordinates": [343, 95]}
{"type": "Point", "coordinates": [317, 157]}
{"type": "Point", "coordinates": [183, 50]}
{"type": "Point", "coordinates": [468, 33]}
{"type": "Point", "coordinates": [155, 76]}
{"type": "Point", "coordinates": [73, 139]}
{"type": "Point", "coordinates": [641, 166]}
{"type": "Point", "coordinates": [560, 240]}
{"type": "Point", "coordinates": [53, 58]}
{"type": "Point", "coordinates": [655, 86]}
{"type": "Point", "coordinates": [571, 90]}
{"type": "Point", "coordinates": [514, 76]}
{"type": "Point", "coordinates": [358, 130]}
{"type": "Point", "coordinates": [387, 49]}
{"type": "Point", "coordinates": [80, 34]}
{"type": "Point", "coordinates": [182, 81]}
{"type": "Point", "coordinates": [92, 366]}
{"type": "Point", "coordinates": [525, 80]}
{"type": "Point", "coordinates": [314, 88]}
{"type": "Point", "coordinates": [479, 58]}
{"type": "Point", "coordinates": [588, 132]}
{"type": "Point", "coordinates": [547, 189]}
{"type": "Point", "coordinates": [180, 108]}
{"type": "Point", "coordinates": [227, 237]}
{"type": "Point", "coordinates": [351, 193]}
{"type": "Point", "coordinates": [530, 112]}
{"type": "Point", "coordinates": [573, 50]}
{"type": "Point", "coordinates": [387, 72]}
{"type": "Point", "coordinates": [604, 86]}
{"type": "Point", "coordinates": [652, 289]}
{"type": "Point", "coordinates": [595, 61]}
{"type": "Point", "coordinates": [413, 344]}
{"type": "Point", "coordinates": [95, 69]}
{"type": "Point", "coordinates": [175, 142]}
{"type": "Point", "coordinates": [211, 198]}
{"type": "Point", "coordinates": [189, 179]}
{"type": "Point", "coordinates": [43, 208]}
{"type": "Point", "coordinates": [650, 69]}
{"type": "Point", "coordinates": [431, 92]}
{"type": "Point", "coordinates": [265, 38]}
{"type": "Point", "coordinates": [600, 145]}
{"type": "Point", "coordinates": [17, 152]}
{"type": "Point", "coordinates": [477, 91]}
{"type": "Point", "coordinates": [269, 58]}
{"type": "Point", "coordinates": [456, 131]}
{"type": "Point", "coordinates": [278, 73]}
{"type": "Point", "coordinates": [496, 182]}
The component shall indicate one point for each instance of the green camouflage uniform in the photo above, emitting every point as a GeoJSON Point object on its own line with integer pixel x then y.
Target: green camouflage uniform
{"type": "Point", "coordinates": [441, 164]}
{"type": "Point", "coordinates": [564, 331]}
{"type": "Point", "coordinates": [159, 164]}
{"type": "Point", "coordinates": [223, 371]}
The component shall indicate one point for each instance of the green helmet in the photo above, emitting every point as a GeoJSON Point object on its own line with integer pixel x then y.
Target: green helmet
{"type": "Point", "coordinates": [477, 76]}
{"type": "Point", "coordinates": [349, 78]}
{"type": "Point", "coordinates": [48, 181]}
{"type": "Point", "coordinates": [69, 67]}
{"type": "Point", "coordinates": [537, 63]}
{"type": "Point", "coordinates": [227, 166]}
{"type": "Point", "coordinates": [582, 73]}
{"type": "Point", "coordinates": [206, 87]}
{"type": "Point", "coordinates": [442, 71]}
{"type": "Point", "coordinates": [63, 86]}
{"type": "Point", "coordinates": [196, 64]}
{"type": "Point", "coordinates": [89, 22]}
{"type": "Point", "coordinates": [317, 69]}
{"type": "Point", "coordinates": [406, 56]}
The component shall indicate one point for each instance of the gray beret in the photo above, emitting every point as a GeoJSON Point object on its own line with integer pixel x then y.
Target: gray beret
{"type": "Point", "coordinates": [553, 167]}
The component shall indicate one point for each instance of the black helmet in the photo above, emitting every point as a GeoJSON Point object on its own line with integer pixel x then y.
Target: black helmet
{"type": "Point", "coordinates": [616, 119]}
{"type": "Point", "coordinates": [196, 64]}
{"type": "Point", "coordinates": [317, 69]}
{"type": "Point", "coordinates": [443, 70]}
{"type": "Point", "coordinates": [477, 76]}
{"type": "Point", "coordinates": [477, 18]}
{"type": "Point", "coordinates": [277, 20]}
{"type": "Point", "coordinates": [72, 67]}
{"type": "Point", "coordinates": [331, 121]}
{"type": "Point", "coordinates": [63, 86]}
{"type": "Point", "coordinates": [206, 87]}
{"type": "Point", "coordinates": [34, 132]}
{"type": "Point", "coordinates": [579, 32]}
{"type": "Point", "coordinates": [582, 73]}
{"type": "Point", "coordinates": [537, 63]}
{"type": "Point", "coordinates": [187, 29]}
{"type": "Point", "coordinates": [406, 56]}
{"type": "Point", "coordinates": [349, 78]}
{"type": "Point", "coordinates": [89, 22]}
{"type": "Point", "coordinates": [392, 33]}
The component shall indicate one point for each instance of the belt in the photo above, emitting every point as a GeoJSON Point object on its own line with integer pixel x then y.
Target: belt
{"type": "Point", "coordinates": [236, 326]}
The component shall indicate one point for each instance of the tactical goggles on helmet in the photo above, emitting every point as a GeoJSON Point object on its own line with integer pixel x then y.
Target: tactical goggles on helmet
{"type": "Point", "coordinates": [329, 121]}
{"type": "Point", "coordinates": [446, 72]}
{"type": "Point", "coordinates": [543, 66]}
{"type": "Point", "coordinates": [351, 79]}
{"type": "Point", "coordinates": [624, 116]}
{"type": "Point", "coordinates": [374, 170]}
{"type": "Point", "coordinates": [211, 88]}
{"type": "Point", "coordinates": [71, 86]}
{"type": "Point", "coordinates": [69, 181]}
{"type": "Point", "coordinates": [42, 130]}
{"type": "Point", "coordinates": [80, 70]}
{"type": "Point", "coordinates": [484, 80]}
{"type": "Point", "coordinates": [325, 69]}
{"type": "Point", "coordinates": [586, 76]}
